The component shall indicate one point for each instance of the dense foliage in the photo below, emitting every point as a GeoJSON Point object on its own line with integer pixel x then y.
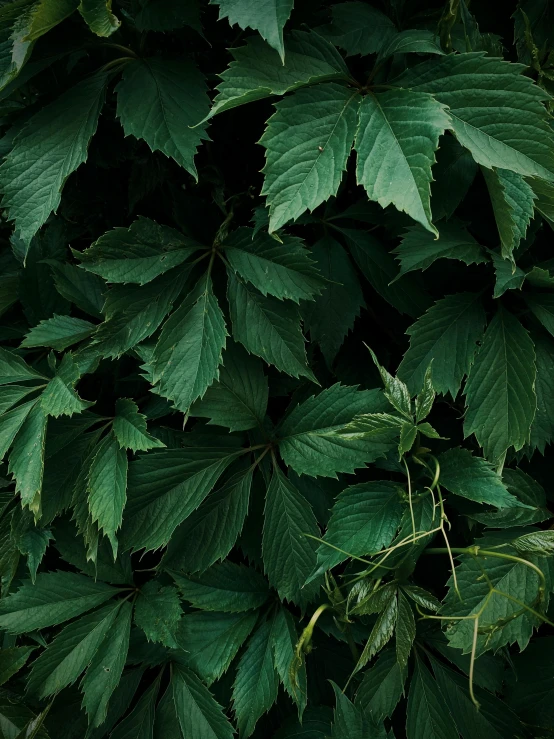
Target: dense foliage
{"type": "Point", "coordinates": [277, 369]}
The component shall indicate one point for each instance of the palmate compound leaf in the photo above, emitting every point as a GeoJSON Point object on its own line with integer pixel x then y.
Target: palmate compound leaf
{"type": "Point", "coordinates": [158, 100]}
{"type": "Point", "coordinates": [268, 17]}
{"type": "Point", "coordinates": [307, 141]}
{"type": "Point", "coordinates": [447, 334]}
{"type": "Point", "coordinates": [310, 440]}
{"type": "Point", "coordinates": [257, 72]}
{"type": "Point", "coordinates": [397, 136]}
{"type": "Point", "coordinates": [188, 353]}
{"type": "Point", "coordinates": [500, 394]}
{"type": "Point", "coordinates": [32, 182]}
{"type": "Point", "coordinates": [496, 112]}
{"type": "Point", "coordinates": [137, 254]}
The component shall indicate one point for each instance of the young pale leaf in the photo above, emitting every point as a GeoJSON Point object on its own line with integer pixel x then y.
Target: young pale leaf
{"type": "Point", "coordinates": [397, 137]}
{"type": "Point", "coordinates": [58, 333]}
{"type": "Point", "coordinates": [284, 639]}
{"type": "Point", "coordinates": [267, 328]}
{"type": "Point", "coordinates": [512, 201]}
{"type": "Point", "coordinates": [212, 640]}
{"type": "Point", "coordinates": [496, 111]}
{"type": "Point", "coordinates": [311, 439]}
{"type": "Point", "coordinates": [198, 712]}
{"type": "Point", "coordinates": [268, 17]}
{"type": "Point", "coordinates": [500, 394]}
{"type": "Point", "coordinates": [157, 613]}
{"type": "Point", "coordinates": [129, 427]}
{"type": "Point", "coordinates": [307, 144]}
{"type": "Point", "coordinates": [257, 72]}
{"type": "Point", "coordinates": [226, 587]}
{"type": "Point", "coordinates": [188, 353]}
{"type": "Point", "coordinates": [32, 182]}
{"type": "Point", "coordinates": [27, 458]}
{"type": "Point", "coordinates": [428, 714]}
{"type": "Point", "coordinates": [284, 269]}
{"type": "Point", "coordinates": [351, 722]}
{"type": "Point", "coordinates": [98, 16]}
{"type": "Point", "coordinates": [289, 555]}
{"type": "Point", "coordinates": [137, 254]}
{"type": "Point", "coordinates": [256, 684]}
{"type": "Point", "coordinates": [418, 249]}
{"type": "Point", "coordinates": [382, 686]}
{"type": "Point", "coordinates": [363, 520]}
{"type": "Point", "coordinates": [54, 598]}
{"type": "Point", "coordinates": [447, 334]}
{"type": "Point", "coordinates": [359, 28]}
{"type": "Point", "coordinates": [158, 100]}
{"type": "Point", "coordinates": [71, 652]}
{"type": "Point", "coordinates": [238, 399]}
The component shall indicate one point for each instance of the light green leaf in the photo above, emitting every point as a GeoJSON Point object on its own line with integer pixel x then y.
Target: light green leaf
{"type": "Point", "coordinates": [382, 686]}
{"type": "Point", "coordinates": [238, 400]}
{"type": "Point", "coordinates": [256, 684]}
{"type": "Point", "coordinates": [289, 555]}
{"type": "Point", "coordinates": [188, 353]}
{"type": "Point", "coordinates": [359, 28]}
{"type": "Point", "coordinates": [428, 714]}
{"type": "Point", "coordinates": [71, 652]}
{"type": "Point", "coordinates": [27, 458]}
{"type": "Point", "coordinates": [257, 72]}
{"type": "Point", "coordinates": [54, 598]}
{"type": "Point", "coordinates": [58, 332]}
{"type": "Point", "coordinates": [137, 254]}
{"type": "Point", "coordinates": [129, 427]}
{"type": "Point", "coordinates": [12, 660]}
{"type": "Point", "coordinates": [283, 269]}
{"type": "Point", "coordinates": [106, 668]}
{"type": "Point", "coordinates": [379, 432]}
{"type": "Point", "coordinates": [227, 587]}
{"type": "Point", "coordinates": [268, 17]}
{"type": "Point", "coordinates": [198, 712]}
{"type": "Point", "coordinates": [446, 334]}
{"type": "Point", "coordinates": [496, 111]}
{"type": "Point", "coordinates": [500, 395]}
{"type": "Point", "coordinates": [212, 640]}
{"type": "Point", "coordinates": [307, 142]}
{"type": "Point", "coordinates": [418, 250]}
{"type": "Point", "coordinates": [267, 328]}
{"type": "Point", "coordinates": [158, 612]}
{"type": "Point", "coordinates": [397, 137]}
{"type": "Point", "coordinates": [311, 439]}
{"type": "Point", "coordinates": [363, 520]}
{"type": "Point", "coordinates": [411, 41]}
{"type": "Point", "coordinates": [98, 16]}
{"type": "Point", "coordinates": [158, 100]}
{"type": "Point", "coordinates": [32, 182]}
{"type": "Point", "coordinates": [405, 630]}
{"type": "Point", "coordinates": [535, 542]}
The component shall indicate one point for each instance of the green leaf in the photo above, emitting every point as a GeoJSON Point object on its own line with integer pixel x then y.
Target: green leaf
{"type": "Point", "coordinates": [258, 72]}
{"type": "Point", "coordinates": [397, 137]}
{"type": "Point", "coordinates": [268, 17]}
{"type": "Point", "coordinates": [158, 100]}
{"type": "Point", "coordinates": [428, 714]}
{"type": "Point", "coordinates": [453, 174]}
{"type": "Point", "coordinates": [12, 660]}
{"type": "Point", "coordinates": [256, 684]}
{"type": "Point", "coordinates": [106, 668]}
{"type": "Point", "coordinates": [267, 328]}
{"type": "Point", "coordinates": [289, 555]}
{"type": "Point", "coordinates": [380, 432]}
{"type": "Point", "coordinates": [542, 428]}
{"type": "Point", "coordinates": [473, 478]}
{"type": "Point", "coordinates": [331, 315]}
{"type": "Point", "coordinates": [447, 334]}
{"type": "Point", "coordinates": [226, 587]}
{"type": "Point", "coordinates": [411, 41]}
{"type": "Point", "coordinates": [98, 16]}
{"type": "Point", "coordinates": [535, 542]}
{"type": "Point", "coordinates": [32, 182]}
{"type": "Point", "coordinates": [157, 613]}
{"type": "Point", "coordinates": [382, 686]}
{"type": "Point", "coordinates": [500, 396]}
{"type": "Point", "coordinates": [496, 111]}
{"type": "Point", "coordinates": [363, 520]}
{"type": "Point", "coordinates": [418, 250]}
{"type": "Point", "coordinates": [528, 492]}
{"type": "Point", "coordinates": [284, 269]}
{"type": "Point", "coordinates": [33, 544]}
{"type": "Point", "coordinates": [307, 142]}
{"type": "Point", "coordinates": [350, 722]}
{"type": "Point", "coordinates": [198, 712]}
{"type": "Point", "coordinates": [139, 723]}
{"type": "Point", "coordinates": [188, 353]}
{"type": "Point", "coordinates": [137, 254]}
{"type": "Point", "coordinates": [58, 333]}
{"type": "Point", "coordinates": [210, 532]}
{"type": "Point", "coordinates": [238, 400]}
{"type": "Point", "coordinates": [542, 306]}
{"type": "Point", "coordinates": [310, 438]}
{"type": "Point", "coordinates": [396, 391]}
{"type": "Point", "coordinates": [27, 458]}
{"type": "Point", "coordinates": [359, 28]}
{"type": "Point", "coordinates": [71, 652]}
{"type": "Point", "coordinates": [405, 630]}
{"type": "Point", "coordinates": [512, 201]}
{"type": "Point", "coordinates": [381, 632]}
{"type": "Point", "coordinates": [129, 427]}
{"type": "Point", "coordinates": [212, 640]}
{"type": "Point", "coordinates": [15, 369]}
{"type": "Point", "coordinates": [10, 424]}
{"type": "Point", "coordinates": [83, 289]}
{"type": "Point", "coordinates": [532, 694]}
{"type": "Point", "coordinates": [506, 277]}
{"type": "Point", "coordinates": [58, 397]}
{"type": "Point", "coordinates": [164, 488]}
{"type": "Point", "coordinates": [54, 598]}
{"type": "Point", "coordinates": [284, 639]}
